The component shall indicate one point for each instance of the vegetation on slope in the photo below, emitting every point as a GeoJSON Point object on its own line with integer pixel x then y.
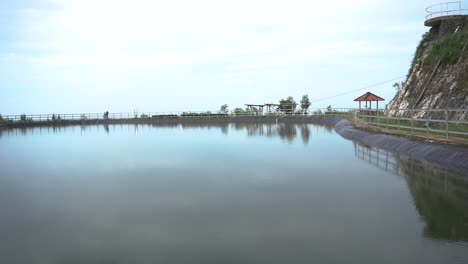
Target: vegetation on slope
{"type": "Point", "coordinates": [448, 49]}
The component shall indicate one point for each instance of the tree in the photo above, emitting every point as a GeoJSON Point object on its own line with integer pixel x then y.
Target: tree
{"type": "Point", "coordinates": [252, 110]}
{"type": "Point", "coordinates": [239, 111]}
{"type": "Point", "coordinates": [287, 105]}
{"type": "Point", "coordinates": [329, 109]}
{"type": "Point", "coordinates": [399, 86]}
{"type": "Point", "coordinates": [305, 103]}
{"type": "Point", "coordinates": [224, 109]}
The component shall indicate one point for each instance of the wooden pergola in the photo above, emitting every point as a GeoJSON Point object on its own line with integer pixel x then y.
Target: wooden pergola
{"type": "Point", "coordinates": [251, 107]}
{"type": "Point", "coordinates": [369, 97]}
{"type": "Point", "coordinates": [269, 106]}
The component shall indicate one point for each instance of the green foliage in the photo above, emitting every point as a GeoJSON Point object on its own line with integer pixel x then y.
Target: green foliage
{"type": "Point", "coordinates": [305, 103]}
{"type": "Point", "coordinates": [329, 109]}
{"type": "Point", "coordinates": [426, 37]}
{"type": "Point", "coordinates": [287, 105]}
{"type": "Point", "coordinates": [239, 111]}
{"type": "Point", "coordinates": [224, 109]}
{"type": "Point", "coordinates": [23, 117]}
{"type": "Point", "coordinates": [399, 86]}
{"type": "Point", "coordinates": [448, 49]}
{"type": "Point", "coordinates": [252, 111]}
{"type": "Point", "coordinates": [144, 116]}
{"type": "Point", "coordinates": [1, 118]}
{"type": "Point", "coordinates": [54, 118]}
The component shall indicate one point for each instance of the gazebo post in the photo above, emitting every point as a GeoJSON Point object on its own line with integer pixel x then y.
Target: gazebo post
{"type": "Point", "coordinates": [369, 98]}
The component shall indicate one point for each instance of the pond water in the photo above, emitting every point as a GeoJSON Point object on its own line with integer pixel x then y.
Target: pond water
{"type": "Point", "coordinates": [234, 193]}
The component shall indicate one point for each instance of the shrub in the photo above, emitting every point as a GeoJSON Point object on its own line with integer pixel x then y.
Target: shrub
{"type": "Point", "coordinates": [144, 116]}
{"type": "Point", "coordinates": [426, 37]}
{"type": "Point", "coordinates": [448, 49]}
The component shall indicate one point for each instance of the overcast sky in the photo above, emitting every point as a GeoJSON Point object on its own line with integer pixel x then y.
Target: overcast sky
{"type": "Point", "coordinates": [66, 56]}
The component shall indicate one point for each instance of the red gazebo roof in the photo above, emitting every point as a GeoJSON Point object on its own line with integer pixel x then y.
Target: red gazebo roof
{"type": "Point", "coordinates": [368, 97]}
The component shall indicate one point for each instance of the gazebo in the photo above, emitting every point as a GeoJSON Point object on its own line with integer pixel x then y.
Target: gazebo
{"type": "Point", "coordinates": [269, 106]}
{"type": "Point", "coordinates": [250, 107]}
{"type": "Point", "coordinates": [369, 97]}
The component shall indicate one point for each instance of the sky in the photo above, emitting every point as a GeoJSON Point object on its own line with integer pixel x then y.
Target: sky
{"type": "Point", "coordinates": [79, 56]}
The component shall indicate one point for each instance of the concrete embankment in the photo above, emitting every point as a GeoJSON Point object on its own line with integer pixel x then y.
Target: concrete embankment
{"type": "Point", "coordinates": [449, 156]}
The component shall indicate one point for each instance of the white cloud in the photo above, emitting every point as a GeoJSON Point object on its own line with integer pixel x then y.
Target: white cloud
{"type": "Point", "coordinates": [179, 46]}
{"type": "Point", "coordinates": [172, 33]}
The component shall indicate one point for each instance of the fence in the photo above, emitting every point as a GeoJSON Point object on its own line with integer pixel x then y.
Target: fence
{"type": "Point", "coordinates": [134, 115]}
{"type": "Point", "coordinates": [445, 9]}
{"type": "Point", "coordinates": [447, 122]}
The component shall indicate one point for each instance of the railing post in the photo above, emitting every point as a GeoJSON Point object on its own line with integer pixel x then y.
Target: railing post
{"type": "Point", "coordinates": [378, 119]}
{"type": "Point", "coordinates": [427, 121]}
{"type": "Point", "coordinates": [446, 124]}
{"type": "Point", "coordinates": [386, 116]}
{"type": "Point", "coordinates": [412, 123]}
{"type": "Point", "coordinates": [398, 118]}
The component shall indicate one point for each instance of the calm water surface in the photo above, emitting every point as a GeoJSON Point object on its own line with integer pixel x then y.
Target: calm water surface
{"type": "Point", "coordinates": [234, 193]}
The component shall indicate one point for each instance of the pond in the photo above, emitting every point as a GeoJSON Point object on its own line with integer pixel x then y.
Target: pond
{"type": "Point", "coordinates": [233, 193]}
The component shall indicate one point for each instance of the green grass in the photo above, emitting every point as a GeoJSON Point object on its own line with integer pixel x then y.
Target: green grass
{"type": "Point", "coordinates": [419, 124]}
{"type": "Point", "coordinates": [448, 49]}
{"type": "Point", "coordinates": [426, 37]}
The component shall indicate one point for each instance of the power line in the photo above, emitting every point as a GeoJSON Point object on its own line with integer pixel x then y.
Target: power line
{"type": "Point", "coordinates": [363, 88]}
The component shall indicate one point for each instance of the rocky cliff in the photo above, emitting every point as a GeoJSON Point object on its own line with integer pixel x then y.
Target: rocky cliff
{"type": "Point", "coordinates": [438, 77]}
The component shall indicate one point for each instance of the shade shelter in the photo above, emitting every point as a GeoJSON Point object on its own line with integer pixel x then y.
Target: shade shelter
{"type": "Point", "coordinates": [369, 97]}
{"type": "Point", "coordinates": [270, 106]}
{"type": "Point", "coordinates": [251, 107]}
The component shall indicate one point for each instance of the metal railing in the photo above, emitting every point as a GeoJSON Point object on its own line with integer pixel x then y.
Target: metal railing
{"type": "Point", "coordinates": [446, 122]}
{"type": "Point", "coordinates": [445, 9]}
{"type": "Point", "coordinates": [172, 114]}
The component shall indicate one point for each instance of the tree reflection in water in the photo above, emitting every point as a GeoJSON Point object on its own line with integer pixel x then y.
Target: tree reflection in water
{"type": "Point", "coordinates": [440, 195]}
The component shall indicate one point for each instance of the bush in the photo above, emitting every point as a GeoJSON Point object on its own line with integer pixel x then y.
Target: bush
{"type": "Point", "coordinates": [144, 116]}
{"type": "Point", "coordinates": [448, 49]}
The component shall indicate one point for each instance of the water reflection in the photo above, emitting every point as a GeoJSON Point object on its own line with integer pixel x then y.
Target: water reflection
{"type": "Point", "coordinates": [245, 193]}
{"type": "Point", "coordinates": [285, 131]}
{"type": "Point", "coordinates": [440, 196]}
